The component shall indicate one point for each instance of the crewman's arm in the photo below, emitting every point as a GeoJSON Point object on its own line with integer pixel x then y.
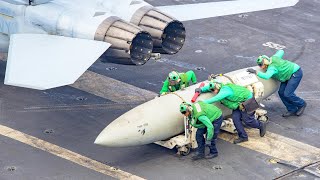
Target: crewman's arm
{"type": "Point", "coordinates": [267, 75]}
{"type": "Point", "coordinates": [223, 93]}
{"type": "Point", "coordinates": [210, 128]}
{"type": "Point", "coordinates": [165, 87]}
{"type": "Point", "coordinates": [191, 76]}
{"type": "Point", "coordinates": [279, 53]}
{"type": "Point", "coordinates": [205, 88]}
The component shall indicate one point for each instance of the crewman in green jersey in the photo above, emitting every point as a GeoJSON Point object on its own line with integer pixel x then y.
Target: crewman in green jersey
{"type": "Point", "coordinates": [176, 81]}
{"type": "Point", "coordinates": [207, 118]}
{"type": "Point", "coordinates": [232, 96]}
{"type": "Point", "coordinates": [289, 74]}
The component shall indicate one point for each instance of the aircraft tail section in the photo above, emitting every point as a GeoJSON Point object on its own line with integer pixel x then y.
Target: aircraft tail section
{"type": "Point", "coordinates": [41, 61]}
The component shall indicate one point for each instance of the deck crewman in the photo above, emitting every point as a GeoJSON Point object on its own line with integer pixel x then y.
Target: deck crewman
{"type": "Point", "coordinates": [207, 118]}
{"type": "Point", "coordinates": [232, 96]}
{"type": "Point", "coordinates": [176, 81]}
{"type": "Point", "coordinates": [289, 74]}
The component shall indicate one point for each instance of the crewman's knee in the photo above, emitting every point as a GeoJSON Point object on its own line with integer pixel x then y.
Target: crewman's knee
{"type": "Point", "coordinates": [288, 94]}
{"type": "Point", "coordinates": [249, 121]}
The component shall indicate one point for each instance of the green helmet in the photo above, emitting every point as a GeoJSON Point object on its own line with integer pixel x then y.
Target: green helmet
{"type": "Point", "coordinates": [214, 84]}
{"type": "Point", "coordinates": [261, 58]}
{"type": "Point", "coordinates": [211, 85]}
{"type": "Point", "coordinates": [174, 76]}
{"type": "Point", "coordinates": [184, 107]}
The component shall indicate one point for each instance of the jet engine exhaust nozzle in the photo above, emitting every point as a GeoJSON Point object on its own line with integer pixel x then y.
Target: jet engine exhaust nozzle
{"type": "Point", "coordinates": [130, 44]}
{"type": "Point", "coordinates": [168, 34]}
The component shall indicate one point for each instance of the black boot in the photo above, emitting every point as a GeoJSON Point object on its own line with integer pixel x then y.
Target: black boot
{"type": "Point", "coordinates": [301, 110]}
{"type": "Point", "coordinates": [198, 156]}
{"type": "Point", "coordinates": [288, 114]}
{"type": "Point", "coordinates": [240, 140]}
{"type": "Point", "coordinates": [263, 129]}
{"type": "Point", "coordinates": [211, 155]}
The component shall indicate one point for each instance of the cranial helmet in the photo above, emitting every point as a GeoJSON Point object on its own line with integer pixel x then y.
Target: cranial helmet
{"type": "Point", "coordinates": [260, 61]}
{"type": "Point", "coordinates": [184, 107]}
{"type": "Point", "coordinates": [214, 84]}
{"type": "Point", "coordinates": [174, 76]}
{"type": "Point", "coordinates": [211, 85]}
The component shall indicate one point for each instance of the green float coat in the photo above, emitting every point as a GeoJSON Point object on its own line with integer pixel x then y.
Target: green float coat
{"type": "Point", "coordinates": [185, 79]}
{"type": "Point", "coordinates": [230, 95]}
{"type": "Point", "coordinates": [279, 68]}
{"type": "Point", "coordinates": [203, 115]}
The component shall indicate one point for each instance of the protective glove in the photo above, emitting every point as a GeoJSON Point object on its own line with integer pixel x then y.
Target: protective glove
{"type": "Point", "coordinates": [251, 71]}
{"type": "Point", "coordinates": [197, 90]}
{"type": "Point", "coordinates": [208, 142]}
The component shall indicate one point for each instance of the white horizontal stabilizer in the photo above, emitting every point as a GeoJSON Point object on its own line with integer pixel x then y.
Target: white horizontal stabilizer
{"type": "Point", "coordinates": [40, 61]}
{"type": "Point", "coordinates": [213, 9]}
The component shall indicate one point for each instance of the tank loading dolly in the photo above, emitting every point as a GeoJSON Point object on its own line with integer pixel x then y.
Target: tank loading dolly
{"type": "Point", "coordinates": [187, 141]}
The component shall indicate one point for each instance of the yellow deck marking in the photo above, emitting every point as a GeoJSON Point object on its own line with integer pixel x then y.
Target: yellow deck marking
{"type": "Point", "coordinates": [277, 146]}
{"type": "Point", "coordinates": [66, 154]}
{"type": "Point", "coordinates": [112, 89]}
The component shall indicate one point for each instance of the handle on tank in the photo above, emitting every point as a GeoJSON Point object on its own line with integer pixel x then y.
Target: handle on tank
{"type": "Point", "coordinates": [195, 96]}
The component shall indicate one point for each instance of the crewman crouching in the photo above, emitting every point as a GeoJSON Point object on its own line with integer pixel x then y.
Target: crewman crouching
{"type": "Point", "coordinates": [176, 81]}
{"type": "Point", "coordinates": [207, 118]}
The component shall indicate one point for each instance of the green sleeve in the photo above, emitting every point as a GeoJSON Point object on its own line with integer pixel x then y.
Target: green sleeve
{"type": "Point", "coordinates": [223, 93]}
{"type": "Point", "coordinates": [165, 86]}
{"type": "Point", "coordinates": [296, 67]}
{"type": "Point", "coordinates": [191, 77]}
{"type": "Point", "coordinates": [205, 88]}
{"type": "Point", "coordinates": [279, 53]}
{"type": "Point", "coordinates": [267, 75]}
{"type": "Point", "coordinates": [210, 128]}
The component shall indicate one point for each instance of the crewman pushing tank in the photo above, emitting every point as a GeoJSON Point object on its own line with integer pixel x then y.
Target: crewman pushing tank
{"type": "Point", "coordinates": [233, 96]}
{"type": "Point", "coordinates": [176, 81]}
{"type": "Point", "coordinates": [289, 74]}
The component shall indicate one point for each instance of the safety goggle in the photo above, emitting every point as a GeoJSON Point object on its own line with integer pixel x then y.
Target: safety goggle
{"type": "Point", "coordinates": [211, 86]}
{"type": "Point", "coordinates": [174, 78]}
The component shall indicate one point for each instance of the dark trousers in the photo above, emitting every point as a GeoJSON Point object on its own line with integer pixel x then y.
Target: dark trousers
{"type": "Point", "coordinates": [201, 141]}
{"type": "Point", "coordinates": [248, 119]}
{"type": "Point", "coordinates": [287, 95]}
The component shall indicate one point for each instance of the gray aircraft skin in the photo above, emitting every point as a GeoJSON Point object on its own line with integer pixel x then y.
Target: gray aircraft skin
{"type": "Point", "coordinates": [214, 45]}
